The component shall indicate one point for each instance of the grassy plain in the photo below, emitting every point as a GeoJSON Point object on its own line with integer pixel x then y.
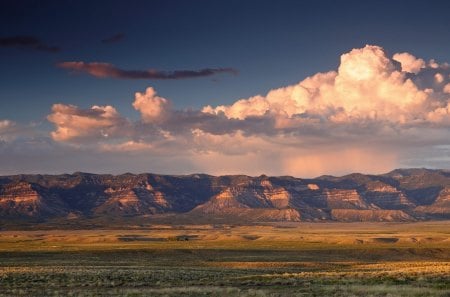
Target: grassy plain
{"type": "Point", "coordinates": [280, 259]}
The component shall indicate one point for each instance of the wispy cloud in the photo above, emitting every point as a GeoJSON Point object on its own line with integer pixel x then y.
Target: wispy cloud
{"type": "Point", "coordinates": [106, 70]}
{"type": "Point", "coordinates": [114, 38]}
{"type": "Point", "coordinates": [27, 42]}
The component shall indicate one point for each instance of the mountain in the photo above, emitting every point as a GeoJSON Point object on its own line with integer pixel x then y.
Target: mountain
{"type": "Point", "coordinates": [400, 195]}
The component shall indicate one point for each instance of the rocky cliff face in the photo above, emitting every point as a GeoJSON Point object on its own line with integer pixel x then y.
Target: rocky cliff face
{"type": "Point", "coordinates": [401, 195]}
{"type": "Point", "coordinates": [23, 199]}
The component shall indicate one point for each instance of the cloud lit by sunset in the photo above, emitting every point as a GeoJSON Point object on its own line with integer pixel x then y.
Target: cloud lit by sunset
{"type": "Point", "coordinates": [361, 116]}
{"type": "Point", "coordinates": [227, 95]}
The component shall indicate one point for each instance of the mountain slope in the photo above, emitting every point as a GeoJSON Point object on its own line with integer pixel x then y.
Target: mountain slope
{"type": "Point", "coordinates": [400, 195]}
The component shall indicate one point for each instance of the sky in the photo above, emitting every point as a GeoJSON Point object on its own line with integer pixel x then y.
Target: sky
{"type": "Point", "coordinates": [301, 88]}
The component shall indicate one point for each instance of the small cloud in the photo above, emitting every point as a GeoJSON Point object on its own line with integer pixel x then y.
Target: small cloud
{"type": "Point", "coordinates": [439, 78]}
{"type": "Point", "coordinates": [5, 124]}
{"type": "Point", "coordinates": [114, 38]}
{"type": "Point", "coordinates": [409, 62]}
{"type": "Point", "coordinates": [27, 42]}
{"type": "Point", "coordinates": [11, 131]}
{"type": "Point", "coordinates": [447, 88]}
{"type": "Point", "coordinates": [152, 107]}
{"type": "Point", "coordinates": [96, 122]}
{"type": "Point", "coordinates": [7, 130]}
{"type": "Point", "coordinates": [106, 70]}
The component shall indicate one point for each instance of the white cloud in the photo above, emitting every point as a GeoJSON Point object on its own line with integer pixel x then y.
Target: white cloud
{"type": "Point", "coordinates": [153, 108]}
{"type": "Point", "coordinates": [367, 86]}
{"type": "Point", "coordinates": [7, 128]}
{"type": "Point", "coordinates": [439, 78]}
{"type": "Point", "coordinates": [366, 116]}
{"type": "Point", "coordinates": [433, 64]}
{"type": "Point", "coordinates": [127, 146]}
{"type": "Point", "coordinates": [447, 88]}
{"type": "Point", "coordinates": [5, 125]}
{"type": "Point", "coordinates": [440, 115]}
{"type": "Point", "coordinates": [11, 131]}
{"type": "Point", "coordinates": [73, 123]}
{"type": "Point", "coordinates": [409, 62]}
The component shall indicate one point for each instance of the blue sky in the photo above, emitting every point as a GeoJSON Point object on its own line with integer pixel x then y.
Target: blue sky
{"type": "Point", "coordinates": [271, 44]}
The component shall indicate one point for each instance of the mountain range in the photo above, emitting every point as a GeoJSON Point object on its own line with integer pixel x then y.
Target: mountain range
{"type": "Point", "coordinates": [400, 195]}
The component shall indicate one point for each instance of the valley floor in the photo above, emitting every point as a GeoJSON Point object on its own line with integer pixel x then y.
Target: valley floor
{"type": "Point", "coordinates": [282, 259]}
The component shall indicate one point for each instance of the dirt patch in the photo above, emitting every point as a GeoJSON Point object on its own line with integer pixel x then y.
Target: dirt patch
{"type": "Point", "coordinates": [385, 239]}
{"type": "Point", "coordinates": [251, 237]}
{"type": "Point", "coordinates": [128, 238]}
{"type": "Point", "coordinates": [183, 237]}
{"type": "Point", "coordinates": [434, 239]}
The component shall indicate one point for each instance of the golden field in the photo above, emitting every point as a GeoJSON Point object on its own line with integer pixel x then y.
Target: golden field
{"type": "Point", "coordinates": [280, 259]}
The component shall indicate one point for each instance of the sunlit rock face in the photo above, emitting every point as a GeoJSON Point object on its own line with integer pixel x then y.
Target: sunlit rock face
{"type": "Point", "coordinates": [351, 215]}
{"type": "Point", "coordinates": [443, 199]}
{"type": "Point", "coordinates": [389, 200]}
{"type": "Point", "coordinates": [401, 195]}
{"type": "Point", "coordinates": [140, 199]}
{"type": "Point", "coordinates": [23, 199]}
{"type": "Point", "coordinates": [344, 199]}
{"type": "Point", "coordinates": [385, 196]}
{"type": "Point", "coordinates": [20, 198]}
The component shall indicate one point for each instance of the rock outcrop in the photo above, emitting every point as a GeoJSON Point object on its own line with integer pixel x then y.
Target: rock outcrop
{"type": "Point", "coordinates": [401, 195]}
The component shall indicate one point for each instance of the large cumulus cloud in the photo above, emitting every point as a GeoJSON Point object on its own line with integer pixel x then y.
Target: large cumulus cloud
{"type": "Point", "coordinates": [373, 113]}
{"type": "Point", "coordinates": [368, 86]}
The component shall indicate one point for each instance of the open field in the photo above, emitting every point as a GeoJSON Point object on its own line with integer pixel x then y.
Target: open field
{"type": "Point", "coordinates": [290, 259]}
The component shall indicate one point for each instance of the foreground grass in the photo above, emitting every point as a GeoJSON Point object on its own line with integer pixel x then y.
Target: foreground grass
{"type": "Point", "coordinates": [410, 279]}
{"type": "Point", "coordinates": [242, 261]}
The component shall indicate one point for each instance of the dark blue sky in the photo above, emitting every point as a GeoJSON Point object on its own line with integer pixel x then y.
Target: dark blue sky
{"type": "Point", "coordinates": [270, 43]}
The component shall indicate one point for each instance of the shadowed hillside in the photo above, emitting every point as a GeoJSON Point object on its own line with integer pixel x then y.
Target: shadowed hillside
{"type": "Point", "coordinates": [400, 195]}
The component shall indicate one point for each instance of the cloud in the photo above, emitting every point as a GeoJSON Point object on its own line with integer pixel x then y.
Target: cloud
{"type": "Point", "coordinates": [152, 107]}
{"type": "Point", "coordinates": [447, 88]}
{"type": "Point", "coordinates": [5, 124]}
{"type": "Point", "coordinates": [114, 38]}
{"type": "Point", "coordinates": [7, 129]}
{"type": "Point", "coordinates": [11, 131]}
{"type": "Point", "coordinates": [368, 87]}
{"type": "Point", "coordinates": [106, 70]}
{"type": "Point", "coordinates": [439, 78]}
{"type": "Point", "coordinates": [27, 42]}
{"type": "Point", "coordinates": [409, 63]}
{"type": "Point", "coordinates": [97, 122]}
{"type": "Point", "coordinates": [374, 113]}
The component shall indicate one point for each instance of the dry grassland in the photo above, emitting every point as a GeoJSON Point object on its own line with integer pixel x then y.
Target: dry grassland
{"type": "Point", "coordinates": [290, 259]}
